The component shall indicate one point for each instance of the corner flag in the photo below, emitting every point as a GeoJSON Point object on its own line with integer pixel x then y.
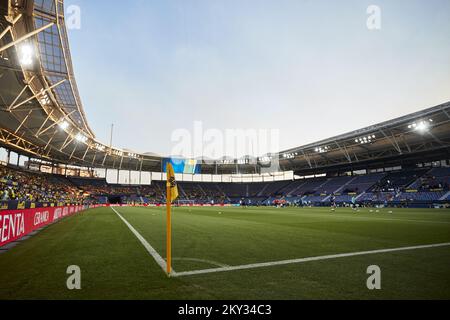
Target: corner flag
{"type": "Point", "coordinates": [172, 195]}
{"type": "Point", "coordinates": [171, 184]}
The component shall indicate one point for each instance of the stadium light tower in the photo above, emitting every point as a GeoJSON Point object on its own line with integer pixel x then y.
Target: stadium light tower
{"type": "Point", "coordinates": [111, 136]}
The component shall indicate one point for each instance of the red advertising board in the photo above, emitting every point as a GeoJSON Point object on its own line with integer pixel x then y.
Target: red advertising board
{"type": "Point", "coordinates": [15, 224]}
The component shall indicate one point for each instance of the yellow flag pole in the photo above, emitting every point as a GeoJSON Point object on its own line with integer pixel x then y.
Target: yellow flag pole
{"type": "Point", "coordinates": [169, 232]}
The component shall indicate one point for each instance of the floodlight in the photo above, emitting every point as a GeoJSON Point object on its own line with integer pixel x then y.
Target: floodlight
{"type": "Point", "coordinates": [422, 126]}
{"type": "Point", "coordinates": [44, 100]}
{"type": "Point", "coordinates": [26, 55]}
{"type": "Point", "coordinates": [81, 138]}
{"type": "Point", "coordinates": [64, 125]}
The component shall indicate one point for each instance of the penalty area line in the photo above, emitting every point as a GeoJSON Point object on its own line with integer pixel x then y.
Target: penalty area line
{"type": "Point", "coordinates": [303, 260]}
{"type": "Point", "coordinates": [159, 260]}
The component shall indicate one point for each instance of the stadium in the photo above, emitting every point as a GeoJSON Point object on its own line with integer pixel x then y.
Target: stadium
{"type": "Point", "coordinates": [303, 223]}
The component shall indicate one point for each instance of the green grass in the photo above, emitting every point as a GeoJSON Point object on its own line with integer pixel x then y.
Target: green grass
{"type": "Point", "coordinates": [115, 265]}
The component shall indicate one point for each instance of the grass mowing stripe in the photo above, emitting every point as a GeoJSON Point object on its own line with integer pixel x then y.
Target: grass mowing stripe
{"type": "Point", "coordinates": [159, 260]}
{"type": "Point", "coordinates": [362, 218]}
{"type": "Point", "coordinates": [295, 261]}
{"type": "Point", "coordinates": [349, 216]}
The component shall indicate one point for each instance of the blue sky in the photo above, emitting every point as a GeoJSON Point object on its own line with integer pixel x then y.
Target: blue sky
{"type": "Point", "coordinates": [309, 68]}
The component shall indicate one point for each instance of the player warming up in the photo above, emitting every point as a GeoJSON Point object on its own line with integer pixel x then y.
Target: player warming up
{"type": "Point", "coordinates": [333, 202]}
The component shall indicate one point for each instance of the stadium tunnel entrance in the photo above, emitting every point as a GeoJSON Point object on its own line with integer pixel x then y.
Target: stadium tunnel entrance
{"type": "Point", "coordinates": [115, 200]}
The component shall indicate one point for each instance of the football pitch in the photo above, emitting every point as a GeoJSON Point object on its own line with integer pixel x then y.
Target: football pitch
{"type": "Point", "coordinates": [235, 253]}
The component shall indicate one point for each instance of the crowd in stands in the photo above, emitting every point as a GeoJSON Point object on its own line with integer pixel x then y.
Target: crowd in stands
{"type": "Point", "coordinates": [409, 185]}
{"type": "Point", "coordinates": [24, 186]}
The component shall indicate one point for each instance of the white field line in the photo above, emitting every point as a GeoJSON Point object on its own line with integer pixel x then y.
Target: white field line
{"type": "Point", "coordinates": [213, 263]}
{"type": "Point", "coordinates": [296, 261]}
{"type": "Point", "coordinates": [159, 260]}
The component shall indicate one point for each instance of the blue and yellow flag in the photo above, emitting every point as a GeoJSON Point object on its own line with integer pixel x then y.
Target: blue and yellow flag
{"type": "Point", "coordinates": [172, 187]}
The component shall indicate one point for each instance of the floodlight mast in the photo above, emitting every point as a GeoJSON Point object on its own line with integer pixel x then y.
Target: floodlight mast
{"type": "Point", "coordinates": [111, 136]}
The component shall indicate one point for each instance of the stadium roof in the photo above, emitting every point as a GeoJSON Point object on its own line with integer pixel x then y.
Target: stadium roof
{"type": "Point", "coordinates": [41, 114]}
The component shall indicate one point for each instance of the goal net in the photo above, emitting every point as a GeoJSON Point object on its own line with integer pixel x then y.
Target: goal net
{"type": "Point", "coordinates": [185, 202]}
